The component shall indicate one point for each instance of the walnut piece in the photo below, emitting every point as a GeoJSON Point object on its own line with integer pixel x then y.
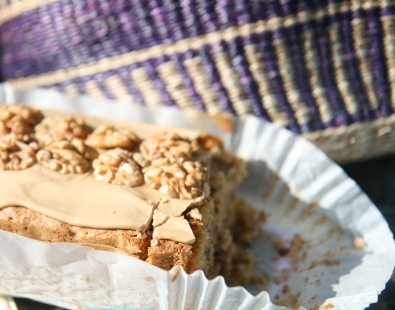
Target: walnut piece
{"type": "Point", "coordinates": [57, 128]}
{"type": "Point", "coordinates": [65, 157]}
{"type": "Point", "coordinates": [168, 145]}
{"type": "Point", "coordinates": [141, 160]}
{"type": "Point", "coordinates": [117, 166]}
{"type": "Point", "coordinates": [16, 155]}
{"type": "Point", "coordinates": [109, 137]}
{"type": "Point", "coordinates": [85, 150]}
{"type": "Point", "coordinates": [18, 121]}
{"type": "Point", "coordinates": [175, 179]}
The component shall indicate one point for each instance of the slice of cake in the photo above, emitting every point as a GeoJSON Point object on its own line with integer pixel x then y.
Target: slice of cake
{"type": "Point", "coordinates": [163, 195]}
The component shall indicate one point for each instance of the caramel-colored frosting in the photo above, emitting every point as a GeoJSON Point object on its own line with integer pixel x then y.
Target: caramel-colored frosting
{"type": "Point", "coordinates": [171, 229]}
{"type": "Point", "coordinates": [82, 201]}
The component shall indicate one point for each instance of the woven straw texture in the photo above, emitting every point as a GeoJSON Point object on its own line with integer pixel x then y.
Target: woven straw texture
{"type": "Point", "coordinates": [325, 69]}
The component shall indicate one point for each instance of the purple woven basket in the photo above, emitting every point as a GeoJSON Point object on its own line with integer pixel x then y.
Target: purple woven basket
{"type": "Point", "coordinates": [325, 69]}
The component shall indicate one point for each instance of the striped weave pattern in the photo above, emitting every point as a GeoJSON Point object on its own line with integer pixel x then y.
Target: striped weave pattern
{"type": "Point", "coordinates": [306, 65]}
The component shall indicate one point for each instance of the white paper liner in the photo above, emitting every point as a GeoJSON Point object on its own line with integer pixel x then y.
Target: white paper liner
{"type": "Point", "coordinates": [303, 192]}
{"type": "Point", "coordinates": [7, 303]}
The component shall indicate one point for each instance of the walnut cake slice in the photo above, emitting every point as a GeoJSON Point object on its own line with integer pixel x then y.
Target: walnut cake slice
{"type": "Point", "coordinates": [166, 196]}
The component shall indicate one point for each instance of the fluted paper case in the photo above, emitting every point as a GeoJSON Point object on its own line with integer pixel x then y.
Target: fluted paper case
{"type": "Point", "coordinates": [341, 250]}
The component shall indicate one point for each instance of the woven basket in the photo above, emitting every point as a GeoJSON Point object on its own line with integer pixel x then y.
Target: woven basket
{"type": "Point", "coordinates": [324, 69]}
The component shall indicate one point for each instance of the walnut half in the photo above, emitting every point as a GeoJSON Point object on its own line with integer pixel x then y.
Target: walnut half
{"type": "Point", "coordinates": [66, 157]}
{"type": "Point", "coordinates": [16, 155]}
{"type": "Point", "coordinates": [117, 166]}
{"type": "Point", "coordinates": [18, 121]}
{"type": "Point", "coordinates": [168, 145]}
{"type": "Point", "coordinates": [109, 137]}
{"type": "Point", "coordinates": [57, 128]}
{"type": "Point", "coordinates": [175, 179]}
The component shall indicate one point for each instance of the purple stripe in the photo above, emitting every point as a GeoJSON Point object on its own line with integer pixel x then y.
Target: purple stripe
{"type": "Point", "coordinates": [361, 14]}
{"type": "Point", "coordinates": [379, 68]}
{"type": "Point", "coordinates": [100, 79]}
{"type": "Point", "coordinates": [177, 59]}
{"type": "Point", "coordinates": [351, 65]}
{"type": "Point", "coordinates": [293, 40]}
{"type": "Point", "coordinates": [387, 11]}
{"type": "Point", "coordinates": [124, 74]}
{"type": "Point", "coordinates": [161, 30]}
{"type": "Point", "coordinates": [140, 26]}
{"type": "Point", "coordinates": [212, 72]}
{"type": "Point", "coordinates": [326, 70]}
{"type": "Point", "coordinates": [301, 77]}
{"type": "Point", "coordinates": [158, 82]}
{"type": "Point", "coordinates": [240, 12]}
{"type": "Point", "coordinates": [189, 18]}
{"type": "Point", "coordinates": [175, 20]}
{"type": "Point", "coordinates": [77, 83]}
{"type": "Point", "coordinates": [247, 17]}
{"type": "Point", "coordinates": [249, 86]}
{"type": "Point", "coordinates": [273, 73]}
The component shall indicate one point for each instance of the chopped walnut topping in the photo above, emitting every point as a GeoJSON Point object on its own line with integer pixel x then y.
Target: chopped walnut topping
{"type": "Point", "coordinates": [168, 145]}
{"type": "Point", "coordinates": [118, 167]}
{"type": "Point", "coordinates": [65, 156]}
{"type": "Point", "coordinates": [18, 121]}
{"type": "Point", "coordinates": [110, 137]}
{"type": "Point", "coordinates": [16, 155]}
{"type": "Point", "coordinates": [58, 128]}
{"type": "Point", "coordinates": [176, 180]}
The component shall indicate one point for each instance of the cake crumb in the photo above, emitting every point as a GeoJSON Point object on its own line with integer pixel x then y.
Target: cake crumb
{"type": "Point", "coordinates": [285, 289]}
{"type": "Point", "coordinates": [326, 307]}
{"type": "Point", "coordinates": [359, 243]}
{"type": "Point", "coordinates": [281, 248]}
{"type": "Point", "coordinates": [149, 279]}
{"type": "Point", "coordinates": [324, 262]}
{"type": "Point", "coordinates": [321, 220]}
{"type": "Point", "coordinates": [195, 214]}
{"type": "Point", "coordinates": [298, 248]}
{"type": "Point", "coordinates": [283, 276]}
{"type": "Point", "coordinates": [291, 301]}
{"type": "Point", "coordinates": [309, 209]}
{"type": "Point", "coordinates": [260, 280]}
